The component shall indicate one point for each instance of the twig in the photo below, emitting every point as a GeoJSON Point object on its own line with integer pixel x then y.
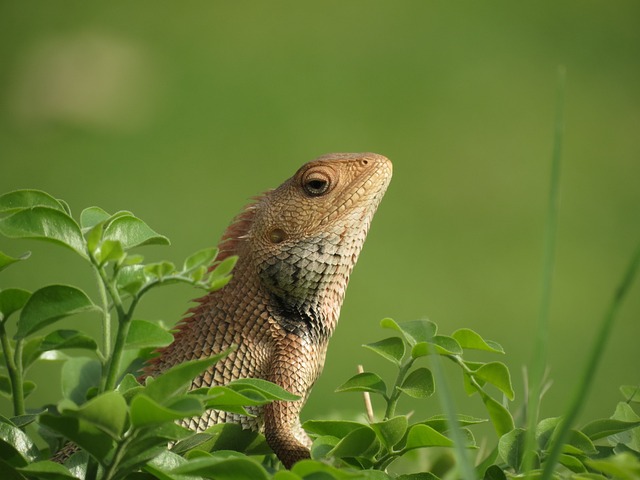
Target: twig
{"type": "Point", "coordinates": [367, 400]}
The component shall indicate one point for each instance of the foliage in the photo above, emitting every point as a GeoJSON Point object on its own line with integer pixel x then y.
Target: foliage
{"type": "Point", "coordinates": [125, 429]}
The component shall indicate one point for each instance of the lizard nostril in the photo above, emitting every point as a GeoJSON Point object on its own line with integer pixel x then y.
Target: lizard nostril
{"type": "Point", "coordinates": [277, 235]}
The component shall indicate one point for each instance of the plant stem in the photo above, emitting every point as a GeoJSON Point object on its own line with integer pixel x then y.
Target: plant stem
{"type": "Point", "coordinates": [562, 431]}
{"type": "Point", "coordinates": [14, 369]}
{"type": "Point", "coordinates": [542, 331]}
{"type": "Point", "coordinates": [392, 401]}
{"type": "Point", "coordinates": [106, 317]}
{"type": "Point", "coordinates": [121, 449]}
{"type": "Point", "coordinates": [114, 357]}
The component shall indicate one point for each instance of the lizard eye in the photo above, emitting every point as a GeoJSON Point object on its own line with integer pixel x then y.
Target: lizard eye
{"type": "Point", "coordinates": [316, 183]}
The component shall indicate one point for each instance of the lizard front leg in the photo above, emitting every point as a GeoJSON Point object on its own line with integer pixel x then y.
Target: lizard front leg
{"type": "Point", "coordinates": [295, 367]}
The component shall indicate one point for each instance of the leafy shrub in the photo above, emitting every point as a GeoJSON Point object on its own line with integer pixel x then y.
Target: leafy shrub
{"type": "Point", "coordinates": [123, 429]}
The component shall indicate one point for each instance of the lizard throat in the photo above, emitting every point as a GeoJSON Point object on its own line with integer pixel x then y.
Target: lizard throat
{"type": "Point", "coordinates": [303, 320]}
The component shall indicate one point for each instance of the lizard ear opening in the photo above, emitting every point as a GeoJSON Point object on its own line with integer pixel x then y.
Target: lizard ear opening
{"type": "Point", "coordinates": [277, 235]}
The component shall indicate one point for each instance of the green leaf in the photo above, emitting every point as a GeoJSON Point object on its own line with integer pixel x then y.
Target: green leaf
{"type": "Point", "coordinates": [109, 251]}
{"type": "Point", "coordinates": [631, 393]}
{"type": "Point", "coordinates": [419, 383]}
{"type": "Point", "coordinates": [224, 466]}
{"type": "Point", "coordinates": [391, 431]}
{"type": "Point", "coordinates": [160, 270]}
{"type": "Point", "coordinates": [446, 345]}
{"type": "Point", "coordinates": [160, 466]}
{"type": "Point", "coordinates": [497, 374]}
{"type": "Point", "coordinates": [63, 339]}
{"type": "Point", "coordinates": [468, 339]}
{"type": "Point", "coordinates": [624, 466]}
{"type": "Point", "coordinates": [94, 237]}
{"type": "Point", "coordinates": [192, 441]}
{"type": "Point", "coordinates": [132, 232]}
{"type": "Point", "coordinates": [322, 445]}
{"type": "Point", "coordinates": [5, 386]}
{"type": "Point", "coordinates": [364, 382]}
{"type": "Point", "coordinates": [286, 475]}
{"type": "Point", "coordinates": [45, 223]}
{"type": "Point", "coordinates": [177, 379]}
{"type": "Point", "coordinates": [28, 387]}
{"type": "Point", "coordinates": [145, 411]}
{"type": "Point", "coordinates": [578, 443]}
{"type": "Point", "coordinates": [143, 334]}
{"type": "Point", "coordinates": [213, 284]}
{"type": "Point", "coordinates": [545, 429]}
{"type": "Point", "coordinates": [6, 260]}
{"type": "Point", "coordinates": [12, 300]}
{"type": "Point", "coordinates": [84, 434]}
{"type": "Point", "coordinates": [572, 463]}
{"type": "Point", "coordinates": [79, 374]}
{"type": "Point", "coordinates": [47, 470]}
{"type": "Point", "coordinates": [630, 438]}
{"type": "Point", "coordinates": [200, 258]}
{"type": "Point", "coordinates": [231, 436]}
{"type": "Point", "coordinates": [441, 422]}
{"type": "Point", "coordinates": [22, 421]}
{"type": "Point", "coordinates": [421, 436]}
{"type": "Point", "coordinates": [440, 344]}
{"type": "Point", "coordinates": [16, 448]}
{"type": "Point", "coordinates": [131, 279]}
{"type": "Point", "coordinates": [10, 473]}
{"type": "Point", "coordinates": [602, 428]}
{"type": "Point", "coordinates": [414, 331]}
{"type": "Point", "coordinates": [494, 472]}
{"type": "Point", "coordinates": [224, 267]}
{"type": "Point", "coordinates": [391, 348]}
{"type": "Point", "coordinates": [361, 442]}
{"type": "Point", "coordinates": [312, 470]}
{"type": "Point", "coordinates": [31, 350]}
{"type": "Point", "coordinates": [228, 466]}
{"type": "Point", "coordinates": [65, 206]}
{"type": "Point", "coordinates": [107, 411]}
{"type": "Point", "coordinates": [268, 389]}
{"type": "Point", "coordinates": [128, 383]}
{"type": "Point", "coordinates": [500, 417]}
{"type": "Point", "coordinates": [92, 216]}
{"type": "Point", "coordinates": [25, 199]}
{"type": "Point", "coordinates": [198, 274]}
{"type": "Point", "coordinates": [219, 277]}
{"type": "Point", "coordinates": [140, 453]}
{"type": "Point", "coordinates": [49, 304]}
{"type": "Point", "coordinates": [224, 398]}
{"type": "Point", "coordinates": [334, 428]}
{"type": "Point", "coordinates": [512, 448]}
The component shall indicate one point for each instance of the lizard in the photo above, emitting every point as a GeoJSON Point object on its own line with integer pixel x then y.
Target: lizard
{"type": "Point", "coordinates": [297, 245]}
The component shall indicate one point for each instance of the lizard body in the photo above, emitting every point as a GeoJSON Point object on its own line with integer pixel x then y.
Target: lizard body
{"type": "Point", "coordinates": [297, 245]}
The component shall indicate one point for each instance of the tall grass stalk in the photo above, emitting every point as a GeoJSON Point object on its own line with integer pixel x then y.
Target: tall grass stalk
{"type": "Point", "coordinates": [465, 467]}
{"type": "Point", "coordinates": [539, 361]}
{"type": "Point", "coordinates": [580, 396]}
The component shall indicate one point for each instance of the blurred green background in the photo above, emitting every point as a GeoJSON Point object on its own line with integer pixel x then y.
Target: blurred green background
{"type": "Point", "coordinates": [182, 111]}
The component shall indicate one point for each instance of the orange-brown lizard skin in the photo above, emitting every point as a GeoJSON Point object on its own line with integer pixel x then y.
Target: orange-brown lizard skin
{"type": "Point", "coordinates": [297, 245]}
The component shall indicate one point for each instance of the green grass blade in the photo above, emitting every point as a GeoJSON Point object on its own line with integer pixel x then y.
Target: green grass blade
{"type": "Point", "coordinates": [562, 432]}
{"type": "Point", "coordinates": [465, 466]}
{"type": "Point", "coordinates": [539, 360]}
